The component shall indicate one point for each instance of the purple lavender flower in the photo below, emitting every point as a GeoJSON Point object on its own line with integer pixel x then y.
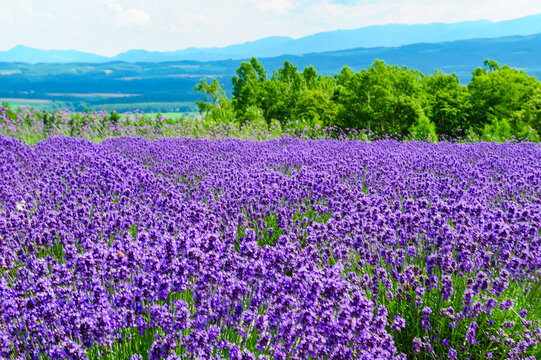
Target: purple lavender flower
{"type": "Point", "coordinates": [506, 305]}
{"type": "Point", "coordinates": [445, 342]}
{"type": "Point", "coordinates": [399, 323]}
{"type": "Point", "coordinates": [471, 333]}
{"type": "Point", "coordinates": [426, 318]}
{"type": "Point", "coordinates": [417, 345]}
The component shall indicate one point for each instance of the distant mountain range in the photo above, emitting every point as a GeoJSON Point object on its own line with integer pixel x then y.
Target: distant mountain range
{"type": "Point", "coordinates": [392, 35]}
{"type": "Point", "coordinates": [460, 57]}
{"type": "Point", "coordinates": [21, 53]}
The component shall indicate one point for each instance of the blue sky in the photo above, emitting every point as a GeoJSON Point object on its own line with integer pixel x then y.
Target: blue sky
{"type": "Point", "coordinates": [108, 27]}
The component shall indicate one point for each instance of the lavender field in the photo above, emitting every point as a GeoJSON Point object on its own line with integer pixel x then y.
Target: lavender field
{"type": "Point", "coordinates": [279, 249]}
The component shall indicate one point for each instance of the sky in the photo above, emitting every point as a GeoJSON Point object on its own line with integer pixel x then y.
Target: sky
{"type": "Point", "coordinates": [108, 27]}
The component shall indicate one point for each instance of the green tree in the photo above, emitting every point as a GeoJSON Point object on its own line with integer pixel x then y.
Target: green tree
{"type": "Point", "coordinates": [531, 110]}
{"type": "Point", "coordinates": [424, 130]}
{"type": "Point", "coordinates": [315, 107]}
{"type": "Point", "coordinates": [289, 95]}
{"type": "Point", "coordinates": [491, 65]}
{"type": "Point", "coordinates": [502, 93]}
{"type": "Point", "coordinates": [282, 92]}
{"type": "Point", "coordinates": [275, 102]}
{"type": "Point", "coordinates": [216, 105]}
{"type": "Point", "coordinates": [383, 99]}
{"type": "Point", "coordinates": [499, 130]}
{"type": "Point", "coordinates": [248, 86]}
{"type": "Point", "coordinates": [310, 77]}
{"type": "Point", "coordinates": [446, 103]}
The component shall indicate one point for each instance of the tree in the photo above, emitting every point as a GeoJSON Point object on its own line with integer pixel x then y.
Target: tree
{"type": "Point", "coordinates": [503, 93]}
{"type": "Point", "coordinates": [310, 77]}
{"type": "Point", "coordinates": [383, 99]}
{"type": "Point", "coordinates": [491, 65]}
{"type": "Point", "coordinates": [216, 105]}
{"type": "Point", "coordinates": [531, 111]}
{"type": "Point", "coordinates": [423, 130]}
{"type": "Point", "coordinates": [315, 107]}
{"type": "Point", "coordinates": [248, 86]}
{"type": "Point", "coordinates": [446, 103]}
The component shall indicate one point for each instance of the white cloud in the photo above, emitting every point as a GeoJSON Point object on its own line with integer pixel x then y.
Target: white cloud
{"type": "Point", "coordinates": [6, 14]}
{"type": "Point", "coordinates": [114, 6]}
{"type": "Point", "coordinates": [279, 7]}
{"type": "Point", "coordinates": [128, 17]}
{"type": "Point", "coordinates": [135, 17]}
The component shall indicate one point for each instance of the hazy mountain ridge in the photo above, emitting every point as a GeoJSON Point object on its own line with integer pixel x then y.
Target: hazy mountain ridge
{"type": "Point", "coordinates": [21, 53]}
{"type": "Point", "coordinates": [391, 35]}
{"type": "Point", "coordinates": [460, 56]}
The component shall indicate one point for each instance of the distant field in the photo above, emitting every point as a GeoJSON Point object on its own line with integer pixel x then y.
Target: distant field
{"type": "Point", "coordinates": [173, 115]}
{"type": "Point", "coordinates": [186, 66]}
{"type": "Point", "coordinates": [176, 115]}
{"type": "Point", "coordinates": [175, 107]}
{"type": "Point", "coordinates": [197, 76]}
{"type": "Point", "coordinates": [172, 110]}
{"type": "Point", "coordinates": [90, 95]}
{"type": "Point", "coordinates": [9, 72]}
{"type": "Point", "coordinates": [25, 101]}
{"type": "Point", "coordinates": [130, 78]}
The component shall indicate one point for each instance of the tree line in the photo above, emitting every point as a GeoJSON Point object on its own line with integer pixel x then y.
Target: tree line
{"type": "Point", "coordinates": [499, 102]}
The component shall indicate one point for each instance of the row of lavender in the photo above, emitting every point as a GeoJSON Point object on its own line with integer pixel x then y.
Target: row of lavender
{"type": "Point", "coordinates": [283, 249]}
{"type": "Point", "coordinates": [33, 125]}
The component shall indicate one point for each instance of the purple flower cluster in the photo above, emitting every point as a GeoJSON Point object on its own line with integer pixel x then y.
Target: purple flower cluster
{"type": "Point", "coordinates": [285, 249]}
